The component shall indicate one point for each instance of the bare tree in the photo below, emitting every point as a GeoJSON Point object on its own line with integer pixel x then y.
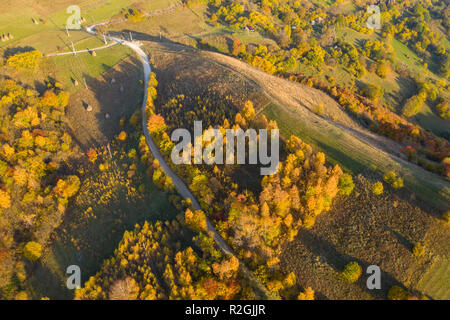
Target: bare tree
{"type": "Point", "coordinates": [124, 289]}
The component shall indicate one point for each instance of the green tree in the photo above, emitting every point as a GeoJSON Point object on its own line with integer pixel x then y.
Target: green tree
{"type": "Point", "coordinates": [32, 251]}
{"type": "Point", "coordinates": [393, 179]}
{"type": "Point", "coordinates": [377, 188]}
{"type": "Point", "coordinates": [346, 184]}
{"type": "Point", "coordinates": [352, 271]}
{"type": "Point", "coordinates": [418, 250]}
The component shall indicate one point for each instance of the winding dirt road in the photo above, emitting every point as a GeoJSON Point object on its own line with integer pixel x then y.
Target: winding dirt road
{"type": "Point", "coordinates": [182, 189]}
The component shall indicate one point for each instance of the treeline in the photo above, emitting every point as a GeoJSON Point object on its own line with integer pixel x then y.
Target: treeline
{"type": "Point", "coordinates": [155, 262]}
{"type": "Point", "coordinates": [296, 27]}
{"type": "Point", "coordinates": [165, 260]}
{"type": "Point", "coordinates": [35, 185]}
{"type": "Point", "coordinates": [420, 146]}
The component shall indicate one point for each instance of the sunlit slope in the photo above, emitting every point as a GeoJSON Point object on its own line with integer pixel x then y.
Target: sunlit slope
{"type": "Point", "coordinates": [293, 106]}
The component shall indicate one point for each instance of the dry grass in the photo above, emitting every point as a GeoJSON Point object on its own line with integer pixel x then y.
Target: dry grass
{"type": "Point", "coordinates": [435, 283]}
{"type": "Point", "coordinates": [370, 229]}
{"type": "Point", "coordinates": [92, 128]}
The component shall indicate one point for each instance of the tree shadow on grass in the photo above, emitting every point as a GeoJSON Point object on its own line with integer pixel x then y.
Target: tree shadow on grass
{"type": "Point", "coordinates": [46, 283]}
{"type": "Point", "coordinates": [15, 50]}
{"type": "Point", "coordinates": [110, 101]}
{"type": "Point", "coordinates": [337, 260]}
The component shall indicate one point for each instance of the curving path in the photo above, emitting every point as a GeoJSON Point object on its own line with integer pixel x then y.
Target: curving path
{"type": "Point", "coordinates": [80, 51]}
{"type": "Point", "coordinates": [182, 189]}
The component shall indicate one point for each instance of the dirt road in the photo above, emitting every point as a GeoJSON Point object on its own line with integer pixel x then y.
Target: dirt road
{"type": "Point", "coordinates": [182, 189]}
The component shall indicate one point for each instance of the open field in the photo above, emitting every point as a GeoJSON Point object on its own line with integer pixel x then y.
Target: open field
{"type": "Point", "coordinates": [51, 31]}
{"type": "Point", "coordinates": [85, 66]}
{"type": "Point", "coordinates": [435, 282]}
{"type": "Point", "coordinates": [105, 97]}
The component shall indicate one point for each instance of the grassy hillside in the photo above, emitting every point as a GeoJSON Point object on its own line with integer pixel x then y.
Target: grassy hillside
{"type": "Point", "coordinates": [372, 229]}
{"type": "Point", "coordinates": [117, 190]}
{"type": "Point", "coordinates": [367, 228]}
{"type": "Point", "coordinates": [336, 134]}
{"type": "Point", "coordinates": [50, 31]}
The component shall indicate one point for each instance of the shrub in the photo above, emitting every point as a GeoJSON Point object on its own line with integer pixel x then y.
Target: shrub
{"type": "Point", "coordinates": [398, 293]}
{"type": "Point", "coordinates": [346, 184]}
{"type": "Point", "coordinates": [318, 109]}
{"type": "Point", "coordinates": [413, 105]}
{"type": "Point", "coordinates": [418, 250]}
{"type": "Point", "coordinates": [122, 136]}
{"type": "Point", "coordinates": [373, 92]}
{"type": "Point", "coordinates": [25, 60]}
{"type": "Point", "coordinates": [308, 294]}
{"type": "Point", "coordinates": [393, 179]}
{"type": "Point", "coordinates": [377, 188]}
{"type": "Point", "coordinates": [32, 251]}
{"type": "Point", "coordinates": [352, 271]}
{"type": "Point", "coordinates": [135, 15]}
{"type": "Point", "coordinates": [446, 216]}
{"type": "Point", "coordinates": [383, 69]}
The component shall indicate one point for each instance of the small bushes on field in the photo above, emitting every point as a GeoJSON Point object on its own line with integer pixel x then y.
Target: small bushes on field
{"type": "Point", "coordinates": [398, 293]}
{"type": "Point", "coordinates": [418, 250]}
{"type": "Point", "coordinates": [346, 184]}
{"type": "Point", "coordinates": [377, 188]}
{"type": "Point", "coordinates": [393, 179]}
{"type": "Point", "coordinates": [352, 272]}
{"type": "Point", "coordinates": [32, 251]}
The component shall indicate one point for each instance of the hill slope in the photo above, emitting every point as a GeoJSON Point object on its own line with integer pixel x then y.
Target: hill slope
{"type": "Point", "coordinates": [183, 70]}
